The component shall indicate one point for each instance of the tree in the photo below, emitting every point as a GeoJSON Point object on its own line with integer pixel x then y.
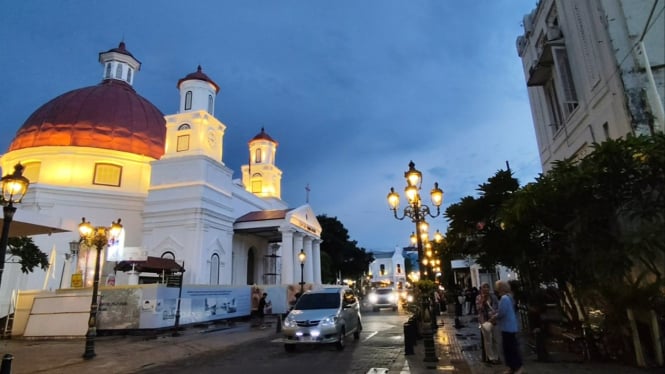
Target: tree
{"type": "Point", "coordinates": [27, 253]}
{"type": "Point", "coordinates": [591, 226]}
{"type": "Point", "coordinates": [342, 254]}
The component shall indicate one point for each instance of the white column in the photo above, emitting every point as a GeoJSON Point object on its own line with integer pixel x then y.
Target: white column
{"type": "Point", "coordinates": [286, 251]}
{"type": "Point", "coordinates": [309, 262]}
{"type": "Point", "coordinates": [297, 246]}
{"type": "Point", "coordinates": [316, 260]}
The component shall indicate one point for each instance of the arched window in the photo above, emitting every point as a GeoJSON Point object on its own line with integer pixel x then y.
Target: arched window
{"type": "Point", "coordinates": [399, 269]}
{"type": "Point", "coordinates": [107, 74]}
{"type": "Point", "coordinates": [258, 156]}
{"type": "Point", "coordinates": [129, 76]}
{"type": "Point", "coordinates": [210, 104]}
{"type": "Point", "coordinates": [214, 269]}
{"type": "Point", "coordinates": [184, 126]}
{"type": "Point", "coordinates": [383, 269]}
{"type": "Point", "coordinates": [188, 100]}
{"type": "Point", "coordinates": [118, 71]}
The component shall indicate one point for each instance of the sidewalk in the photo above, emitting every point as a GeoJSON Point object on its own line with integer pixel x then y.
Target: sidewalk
{"type": "Point", "coordinates": [459, 351]}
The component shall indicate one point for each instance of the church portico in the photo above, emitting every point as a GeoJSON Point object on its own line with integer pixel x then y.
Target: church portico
{"type": "Point", "coordinates": [291, 231]}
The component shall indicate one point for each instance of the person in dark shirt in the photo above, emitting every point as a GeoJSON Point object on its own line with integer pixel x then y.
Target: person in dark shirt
{"type": "Point", "coordinates": [261, 309]}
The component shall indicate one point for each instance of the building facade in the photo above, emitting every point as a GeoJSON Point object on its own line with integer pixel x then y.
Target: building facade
{"type": "Point", "coordinates": [595, 70]}
{"type": "Point", "coordinates": [104, 152]}
{"type": "Point", "coordinates": [388, 268]}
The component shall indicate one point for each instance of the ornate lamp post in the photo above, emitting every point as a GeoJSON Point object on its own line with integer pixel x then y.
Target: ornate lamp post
{"type": "Point", "coordinates": [417, 212]}
{"type": "Point", "coordinates": [302, 257]}
{"type": "Point", "coordinates": [14, 187]}
{"type": "Point", "coordinates": [97, 237]}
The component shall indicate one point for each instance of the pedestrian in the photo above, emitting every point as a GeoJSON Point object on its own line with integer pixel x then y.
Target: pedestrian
{"type": "Point", "coordinates": [468, 300]}
{"type": "Point", "coordinates": [261, 311]}
{"type": "Point", "coordinates": [506, 318]}
{"type": "Point", "coordinates": [486, 304]}
{"type": "Point", "coordinates": [472, 305]}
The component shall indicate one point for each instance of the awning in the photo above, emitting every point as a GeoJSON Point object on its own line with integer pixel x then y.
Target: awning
{"type": "Point", "coordinates": [156, 265]}
{"type": "Point", "coordinates": [27, 223]}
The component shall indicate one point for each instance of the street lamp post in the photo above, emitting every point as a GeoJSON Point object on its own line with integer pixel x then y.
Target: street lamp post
{"type": "Point", "coordinates": [417, 212]}
{"type": "Point", "coordinates": [97, 237]}
{"type": "Point", "coordinates": [14, 187]}
{"type": "Point", "coordinates": [415, 209]}
{"type": "Point", "coordinates": [302, 257]}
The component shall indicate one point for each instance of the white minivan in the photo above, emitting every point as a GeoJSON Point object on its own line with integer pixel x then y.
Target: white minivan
{"type": "Point", "coordinates": [326, 315]}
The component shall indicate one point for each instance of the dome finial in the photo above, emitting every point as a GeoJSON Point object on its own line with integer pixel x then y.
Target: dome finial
{"type": "Point", "coordinates": [198, 69]}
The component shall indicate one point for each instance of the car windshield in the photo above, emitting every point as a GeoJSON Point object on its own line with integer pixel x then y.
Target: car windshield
{"type": "Point", "coordinates": [384, 291]}
{"type": "Point", "coordinates": [318, 301]}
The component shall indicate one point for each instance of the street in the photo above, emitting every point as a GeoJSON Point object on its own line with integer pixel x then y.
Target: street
{"type": "Point", "coordinates": [380, 345]}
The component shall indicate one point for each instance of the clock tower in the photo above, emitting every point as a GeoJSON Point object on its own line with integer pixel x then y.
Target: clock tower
{"type": "Point", "coordinates": [194, 130]}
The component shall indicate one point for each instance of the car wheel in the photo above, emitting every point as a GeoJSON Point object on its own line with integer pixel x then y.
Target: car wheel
{"type": "Point", "coordinates": [359, 328]}
{"type": "Point", "coordinates": [395, 308]}
{"type": "Point", "coordinates": [340, 340]}
{"type": "Point", "coordinates": [289, 347]}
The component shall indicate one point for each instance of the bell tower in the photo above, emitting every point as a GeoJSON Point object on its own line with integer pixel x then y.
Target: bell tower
{"type": "Point", "coordinates": [195, 130]}
{"type": "Point", "coordinates": [261, 177]}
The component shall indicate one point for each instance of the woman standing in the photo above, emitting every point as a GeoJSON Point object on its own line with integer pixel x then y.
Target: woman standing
{"type": "Point", "coordinates": [487, 304]}
{"type": "Point", "coordinates": [506, 318]}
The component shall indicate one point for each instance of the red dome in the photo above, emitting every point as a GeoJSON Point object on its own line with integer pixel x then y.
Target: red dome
{"type": "Point", "coordinates": [110, 115]}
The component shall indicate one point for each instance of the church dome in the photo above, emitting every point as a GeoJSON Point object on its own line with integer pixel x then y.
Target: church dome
{"type": "Point", "coordinates": [110, 115]}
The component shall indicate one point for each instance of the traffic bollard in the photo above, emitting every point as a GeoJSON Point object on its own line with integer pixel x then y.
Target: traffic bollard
{"type": "Point", "coordinates": [6, 367]}
{"type": "Point", "coordinates": [409, 339]}
{"type": "Point", "coordinates": [279, 323]}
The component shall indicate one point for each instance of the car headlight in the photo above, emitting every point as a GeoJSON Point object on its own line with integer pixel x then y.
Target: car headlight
{"type": "Point", "coordinates": [290, 321]}
{"type": "Point", "coordinates": [328, 321]}
{"type": "Point", "coordinates": [373, 298]}
{"type": "Point", "coordinates": [409, 298]}
{"type": "Point", "coordinates": [392, 297]}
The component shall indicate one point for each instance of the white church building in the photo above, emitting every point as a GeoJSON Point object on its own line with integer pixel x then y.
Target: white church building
{"type": "Point", "coordinates": [104, 152]}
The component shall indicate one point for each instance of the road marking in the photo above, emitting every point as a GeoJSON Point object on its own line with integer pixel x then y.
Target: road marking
{"type": "Point", "coordinates": [378, 371]}
{"type": "Point", "coordinates": [370, 336]}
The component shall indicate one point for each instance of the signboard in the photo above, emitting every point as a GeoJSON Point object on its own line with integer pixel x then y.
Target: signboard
{"type": "Point", "coordinates": [77, 280]}
{"type": "Point", "coordinates": [174, 280]}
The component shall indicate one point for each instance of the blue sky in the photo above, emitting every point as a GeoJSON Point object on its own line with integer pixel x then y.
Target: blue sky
{"type": "Point", "coordinates": [352, 90]}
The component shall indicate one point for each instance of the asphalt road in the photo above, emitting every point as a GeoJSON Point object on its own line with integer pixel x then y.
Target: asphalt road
{"type": "Point", "coordinates": [380, 346]}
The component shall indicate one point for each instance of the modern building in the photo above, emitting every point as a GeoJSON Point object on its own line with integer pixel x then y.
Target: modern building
{"type": "Point", "coordinates": [595, 70]}
{"type": "Point", "coordinates": [104, 152]}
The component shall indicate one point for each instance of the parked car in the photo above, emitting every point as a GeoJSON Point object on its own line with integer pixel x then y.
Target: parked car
{"type": "Point", "coordinates": [323, 316]}
{"type": "Point", "coordinates": [383, 298]}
